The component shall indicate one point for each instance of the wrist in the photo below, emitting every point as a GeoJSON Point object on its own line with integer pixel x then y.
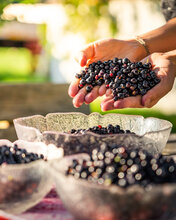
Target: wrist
{"type": "Point", "coordinates": [139, 48]}
{"type": "Point", "coordinates": [141, 41]}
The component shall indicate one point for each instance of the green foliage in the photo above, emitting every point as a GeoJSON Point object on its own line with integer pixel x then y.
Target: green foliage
{"type": "Point", "coordinates": [15, 61]}
{"type": "Point", "coordinates": [85, 16]}
{"type": "Point", "coordinates": [16, 66]}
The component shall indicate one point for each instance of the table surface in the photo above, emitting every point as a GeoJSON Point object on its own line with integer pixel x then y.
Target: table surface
{"type": "Point", "coordinates": [51, 207]}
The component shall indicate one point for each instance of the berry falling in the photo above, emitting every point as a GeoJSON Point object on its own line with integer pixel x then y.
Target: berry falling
{"type": "Point", "coordinates": [123, 77]}
{"type": "Point", "coordinates": [124, 167]}
{"type": "Point", "coordinates": [110, 129]}
{"type": "Point", "coordinates": [15, 155]}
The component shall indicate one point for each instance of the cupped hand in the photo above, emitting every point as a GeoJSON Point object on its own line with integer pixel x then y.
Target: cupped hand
{"type": "Point", "coordinates": [102, 50]}
{"type": "Point", "coordinates": [164, 69]}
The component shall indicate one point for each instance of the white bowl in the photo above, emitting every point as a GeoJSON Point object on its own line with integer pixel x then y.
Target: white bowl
{"type": "Point", "coordinates": [151, 133]}
{"type": "Point", "coordinates": [24, 185]}
{"type": "Point", "coordinates": [85, 200]}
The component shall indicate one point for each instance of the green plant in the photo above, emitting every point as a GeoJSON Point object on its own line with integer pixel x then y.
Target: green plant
{"type": "Point", "coordinates": [88, 17]}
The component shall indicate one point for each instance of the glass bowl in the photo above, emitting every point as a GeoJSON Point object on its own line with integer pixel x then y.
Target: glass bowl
{"type": "Point", "coordinates": [24, 185]}
{"type": "Point", "coordinates": [150, 133]}
{"type": "Point", "coordinates": [87, 201]}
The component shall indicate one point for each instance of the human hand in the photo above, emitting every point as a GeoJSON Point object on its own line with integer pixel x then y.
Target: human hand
{"type": "Point", "coordinates": [102, 50]}
{"type": "Point", "coordinates": [165, 70]}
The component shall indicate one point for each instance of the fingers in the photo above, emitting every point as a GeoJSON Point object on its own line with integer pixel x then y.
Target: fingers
{"type": "Point", "coordinates": [107, 103]}
{"type": "Point", "coordinates": [92, 95]}
{"type": "Point", "coordinates": [130, 102]}
{"type": "Point", "coordinates": [102, 90]}
{"type": "Point", "coordinates": [86, 54]}
{"type": "Point", "coordinates": [73, 88]}
{"type": "Point", "coordinates": [156, 93]}
{"type": "Point", "coordinates": [97, 91]}
{"type": "Point", "coordinates": [108, 92]}
{"type": "Point", "coordinates": [81, 58]}
{"type": "Point", "coordinates": [80, 95]}
{"type": "Point", "coordinates": [78, 100]}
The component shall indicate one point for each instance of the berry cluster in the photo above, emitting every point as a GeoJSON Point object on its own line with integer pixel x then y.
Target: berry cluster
{"type": "Point", "coordinates": [110, 129]}
{"type": "Point", "coordinates": [123, 77]}
{"type": "Point", "coordinates": [15, 155]}
{"type": "Point", "coordinates": [124, 167]}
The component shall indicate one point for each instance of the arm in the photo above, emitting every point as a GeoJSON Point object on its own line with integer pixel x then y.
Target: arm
{"type": "Point", "coordinates": [162, 39]}
{"type": "Point", "coordinates": [159, 40]}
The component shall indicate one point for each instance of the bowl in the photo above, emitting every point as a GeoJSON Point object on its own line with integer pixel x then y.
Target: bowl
{"type": "Point", "coordinates": [7, 216]}
{"type": "Point", "coordinates": [90, 201]}
{"type": "Point", "coordinates": [150, 133]}
{"type": "Point", "coordinates": [24, 185]}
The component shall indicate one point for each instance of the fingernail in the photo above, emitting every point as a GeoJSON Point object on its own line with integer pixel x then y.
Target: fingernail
{"type": "Point", "coordinates": [74, 104]}
{"type": "Point", "coordinates": [102, 109]}
{"type": "Point", "coordinates": [82, 59]}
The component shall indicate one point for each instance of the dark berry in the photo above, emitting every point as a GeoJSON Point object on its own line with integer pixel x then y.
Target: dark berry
{"type": "Point", "coordinates": [15, 155]}
{"type": "Point", "coordinates": [123, 77]}
{"type": "Point", "coordinates": [89, 88]}
{"type": "Point", "coordinates": [82, 82]}
{"type": "Point", "coordinates": [134, 80]}
{"type": "Point", "coordinates": [125, 60]}
{"type": "Point", "coordinates": [115, 60]}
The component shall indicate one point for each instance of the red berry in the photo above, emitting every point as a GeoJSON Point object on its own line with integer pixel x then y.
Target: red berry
{"type": "Point", "coordinates": [107, 86]}
{"type": "Point", "coordinates": [99, 126]}
{"type": "Point", "coordinates": [111, 74]}
{"type": "Point", "coordinates": [81, 85]}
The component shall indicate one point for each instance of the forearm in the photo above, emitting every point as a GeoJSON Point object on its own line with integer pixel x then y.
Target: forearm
{"type": "Point", "coordinates": [162, 39]}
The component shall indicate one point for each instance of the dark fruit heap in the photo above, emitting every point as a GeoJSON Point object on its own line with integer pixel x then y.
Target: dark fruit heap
{"type": "Point", "coordinates": [15, 155]}
{"type": "Point", "coordinates": [123, 77]}
{"type": "Point", "coordinates": [124, 167]}
{"type": "Point", "coordinates": [110, 129]}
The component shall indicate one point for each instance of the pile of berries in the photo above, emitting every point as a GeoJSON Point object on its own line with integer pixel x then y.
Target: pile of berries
{"type": "Point", "coordinates": [110, 129]}
{"type": "Point", "coordinates": [124, 167]}
{"type": "Point", "coordinates": [15, 155]}
{"type": "Point", "coordinates": [123, 77]}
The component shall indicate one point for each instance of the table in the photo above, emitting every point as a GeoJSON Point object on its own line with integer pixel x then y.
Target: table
{"type": "Point", "coordinates": [51, 207]}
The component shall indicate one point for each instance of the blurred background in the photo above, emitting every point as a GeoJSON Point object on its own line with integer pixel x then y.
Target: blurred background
{"type": "Point", "coordinates": [38, 40]}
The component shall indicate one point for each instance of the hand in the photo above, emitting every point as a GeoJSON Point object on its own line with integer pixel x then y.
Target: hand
{"type": "Point", "coordinates": [165, 70]}
{"type": "Point", "coordinates": [103, 50]}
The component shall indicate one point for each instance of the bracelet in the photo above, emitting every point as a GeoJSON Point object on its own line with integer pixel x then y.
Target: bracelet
{"type": "Point", "coordinates": [142, 42]}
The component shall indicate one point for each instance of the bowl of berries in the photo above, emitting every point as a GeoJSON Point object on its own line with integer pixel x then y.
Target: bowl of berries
{"type": "Point", "coordinates": [24, 175]}
{"type": "Point", "coordinates": [80, 133]}
{"type": "Point", "coordinates": [117, 183]}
